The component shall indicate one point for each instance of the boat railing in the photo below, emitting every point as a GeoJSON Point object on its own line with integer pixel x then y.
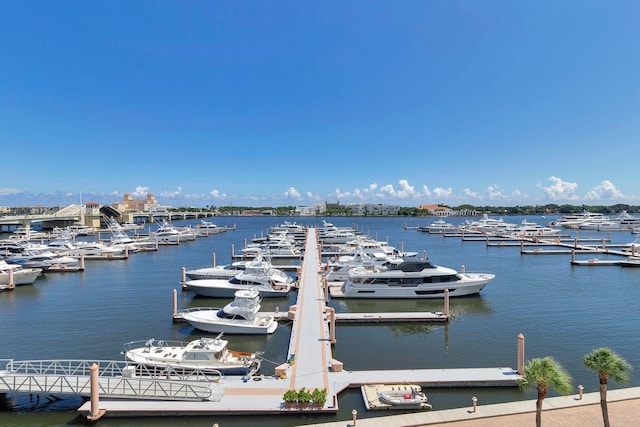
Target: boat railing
{"type": "Point", "coordinates": [153, 342]}
{"type": "Point", "coordinates": [477, 273]}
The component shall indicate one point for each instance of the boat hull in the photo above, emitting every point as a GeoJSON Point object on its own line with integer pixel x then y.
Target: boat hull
{"type": "Point", "coordinates": [471, 285]}
{"type": "Point", "coordinates": [223, 289]}
{"type": "Point", "coordinates": [26, 276]}
{"type": "Point", "coordinates": [208, 321]}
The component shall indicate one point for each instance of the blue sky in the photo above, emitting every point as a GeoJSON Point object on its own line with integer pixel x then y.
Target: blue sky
{"type": "Point", "coordinates": [296, 102]}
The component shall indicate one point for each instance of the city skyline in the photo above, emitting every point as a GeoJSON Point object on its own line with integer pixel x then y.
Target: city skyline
{"type": "Point", "coordinates": [283, 103]}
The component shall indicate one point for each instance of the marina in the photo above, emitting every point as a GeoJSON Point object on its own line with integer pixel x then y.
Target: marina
{"type": "Point", "coordinates": [423, 363]}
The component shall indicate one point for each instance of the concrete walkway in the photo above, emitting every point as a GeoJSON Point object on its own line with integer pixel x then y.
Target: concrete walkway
{"type": "Point", "coordinates": [563, 411]}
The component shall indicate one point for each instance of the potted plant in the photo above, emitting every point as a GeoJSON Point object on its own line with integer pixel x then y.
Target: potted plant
{"type": "Point", "coordinates": [304, 398]}
{"type": "Point", "coordinates": [319, 397]}
{"type": "Point", "coordinates": [290, 398]}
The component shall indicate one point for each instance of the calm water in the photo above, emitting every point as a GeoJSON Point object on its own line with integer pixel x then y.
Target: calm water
{"type": "Point", "coordinates": [563, 311]}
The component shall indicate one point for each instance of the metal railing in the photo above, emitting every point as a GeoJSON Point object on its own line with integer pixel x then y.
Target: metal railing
{"type": "Point", "coordinates": [115, 379]}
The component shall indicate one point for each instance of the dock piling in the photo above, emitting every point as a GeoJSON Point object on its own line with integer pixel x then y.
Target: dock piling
{"type": "Point", "coordinates": [96, 413]}
{"type": "Point", "coordinates": [175, 303]}
{"type": "Point", "coordinates": [520, 353]}
{"type": "Point", "coordinates": [475, 403]}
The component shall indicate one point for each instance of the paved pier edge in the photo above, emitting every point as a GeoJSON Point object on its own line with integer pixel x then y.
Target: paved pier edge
{"type": "Point", "coordinates": [484, 413]}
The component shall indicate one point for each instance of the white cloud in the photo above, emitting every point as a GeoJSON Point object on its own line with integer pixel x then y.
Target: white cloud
{"type": "Point", "coordinates": [8, 191]}
{"type": "Point", "coordinates": [171, 194]}
{"type": "Point", "coordinates": [561, 190]}
{"type": "Point", "coordinates": [494, 192]}
{"type": "Point", "coordinates": [443, 192]}
{"type": "Point", "coordinates": [218, 195]}
{"type": "Point", "coordinates": [470, 194]}
{"type": "Point", "coordinates": [604, 191]}
{"type": "Point", "coordinates": [140, 192]}
{"type": "Point", "coordinates": [292, 193]}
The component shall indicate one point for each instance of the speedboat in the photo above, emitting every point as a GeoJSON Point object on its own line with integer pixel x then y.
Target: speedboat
{"type": "Point", "coordinates": [241, 316]}
{"type": "Point", "coordinates": [270, 283]}
{"type": "Point", "coordinates": [20, 275]}
{"type": "Point", "coordinates": [207, 355]}
{"type": "Point", "coordinates": [412, 279]}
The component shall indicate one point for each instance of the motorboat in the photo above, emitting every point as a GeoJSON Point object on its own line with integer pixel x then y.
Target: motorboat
{"type": "Point", "coordinates": [270, 283]}
{"type": "Point", "coordinates": [575, 220]}
{"type": "Point", "coordinates": [45, 260]}
{"type": "Point", "coordinates": [532, 229]}
{"type": "Point", "coordinates": [167, 233]}
{"type": "Point", "coordinates": [601, 225]}
{"type": "Point", "coordinates": [394, 396]}
{"type": "Point", "coordinates": [65, 246]}
{"type": "Point", "coordinates": [227, 271]}
{"type": "Point", "coordinates": [241, 316]}
{"type": "Point", "coordinates": [412, 279]}
{"type": "Point", "coordinates": [207, 224]}
{"type": "Point", "coordinates": [22, 233]}
{"type": "Point", "coordinates": [632, 261]}
{"type": "Point", "coordinates": [279, 247]}
{"type": "Point", "coordinates": [20, 275]}
{"type": "Point", "coordinates": [438, 226]}
{"type": "Point", "coordinates": [131, 226]}
{"type": "Point", "coordinates": [338, 270]}
{"type": "Point", "coordinates": [207, 355]}
{"type": "Point", "coordinates": [489, 226]}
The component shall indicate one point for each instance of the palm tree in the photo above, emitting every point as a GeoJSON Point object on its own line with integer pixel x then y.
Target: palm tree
{"type": "Point", "coordinates": [608, 364]}
{"type": "Point", "coordinates": [545, 373]}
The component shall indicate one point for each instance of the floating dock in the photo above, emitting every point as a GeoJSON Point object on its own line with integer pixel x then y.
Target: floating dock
{"type": "Point", "coordinates": [371, 394]}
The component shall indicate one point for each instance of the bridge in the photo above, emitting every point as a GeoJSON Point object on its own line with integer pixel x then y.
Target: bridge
{"type": "Point", "coordinates": [75, 213]}
{"type": "Point", "coordinates": [115, 379]}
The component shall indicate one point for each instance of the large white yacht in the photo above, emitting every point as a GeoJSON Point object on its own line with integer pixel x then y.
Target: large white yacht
{"type": "Point", "coordinates": [19, 275]}
{"type": "Point", "coordinates": [204, 354]}
{"type": "Point", "coordinates": [412, 279]}
{"type": "Point", "coordinates": [270, 283]}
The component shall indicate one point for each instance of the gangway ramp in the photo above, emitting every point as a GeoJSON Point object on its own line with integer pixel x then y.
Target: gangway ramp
{"type": "Point", "coordinates": [116, 379]}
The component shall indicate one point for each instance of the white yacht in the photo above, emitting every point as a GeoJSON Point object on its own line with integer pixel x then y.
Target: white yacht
{"type": "Point", "coordinates": [227, 271]}
{"type": "Point", "coordinates": [204, 354]}
{"type": "Point", "coordinates": [270, 283]}
{"type": "Point", "coordinates": [167, 233]}
{"type": "Point", "coordinates": [241, 316]}
{"type": "Point", "coordinates": [338, 270]}
{"type": "Point", "coordinates": [412, 279]}
{"type": "Point", "coordinates": [20, 275]}
{"type": "Point", "coordinates": [273, 247]}
{"type": "Point", "coordinates": [533, 229]}
{"type": "Point", "coordinates": [438, 226]}
{"type": "Point", "coordinates": [83, 248]}
{"type": "Point", "coordinates": [575, 220]}
{"type": "Point", "coordinates": [45, 260]}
